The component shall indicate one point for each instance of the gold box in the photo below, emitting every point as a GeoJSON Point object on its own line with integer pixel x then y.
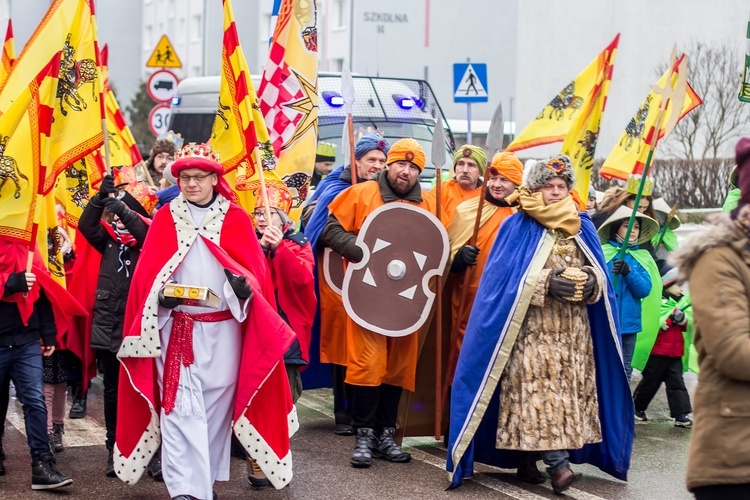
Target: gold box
{"type": "Point", "coordinates": [200, 296]}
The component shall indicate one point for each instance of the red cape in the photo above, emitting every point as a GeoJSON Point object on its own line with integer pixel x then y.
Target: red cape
{"type": "Point", "coordinates": [13, 257]}
{"type": "Point", "coordinates": [264, 416]}
{"type": "Point", "coordinates": [292, 273]}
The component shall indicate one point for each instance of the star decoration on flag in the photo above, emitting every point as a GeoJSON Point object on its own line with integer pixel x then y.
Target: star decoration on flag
{"type": "Point", "coordinates": [307, 107]}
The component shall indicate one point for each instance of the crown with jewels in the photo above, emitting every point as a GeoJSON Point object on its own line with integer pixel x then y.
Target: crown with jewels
{"type": "Point", "coordinates": [172, 137]}
{"type": "Point", "coordinates": [634, 180]}
{"type": "Point", "coordinates": [195, 150]}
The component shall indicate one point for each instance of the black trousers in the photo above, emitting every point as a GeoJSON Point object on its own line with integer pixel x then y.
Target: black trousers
{"type": "Point", "coordinates": [4, 400]}
{"type": "Point", "coordinates": [375, 407]}
{"type": "Point", "coordinates": [723, 491]}
{"type": "Point", "coordinates": [668, 370]}
{"type": "Point", "coordinates": [342, 396]}
{"type": "Point", "coordinates": [111, 371]}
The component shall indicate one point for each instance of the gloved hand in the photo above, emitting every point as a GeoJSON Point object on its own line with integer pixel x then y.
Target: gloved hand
{"type": "Point", "coordinates": [239, 285]}
{"type": "Point", "coordinates": [590, 287]}
{"type": "Point", "coordinates": [16, 283]}
{"type": "Point", "coordinates": [168, 302]}
{"type": "Point", "coordinates": [115, 206]}
{"type": "Point", "coordinates": [558, 288]}
{"type": "Point", "coordinates": [468, 255]}
{"type": "Point", "coordinates": [678, 317]}
{"type": "Point", "coordinates": [107, 187]}
{"type": "Point", "coordinates": [620, 267]}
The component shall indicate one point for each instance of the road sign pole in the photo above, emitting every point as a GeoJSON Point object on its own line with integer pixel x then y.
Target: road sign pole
{"type": "Point", "coordinates": [468, 123]}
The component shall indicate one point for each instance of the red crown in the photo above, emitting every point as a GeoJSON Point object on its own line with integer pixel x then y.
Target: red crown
{"type": "Point", "coordinates": [194, 150]}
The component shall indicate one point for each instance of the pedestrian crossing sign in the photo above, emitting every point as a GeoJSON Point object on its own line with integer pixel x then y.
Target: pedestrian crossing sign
{"type": "Point", "coordinates": [470, 82]}
{"type": "Point", "coordinates": [164, 55]}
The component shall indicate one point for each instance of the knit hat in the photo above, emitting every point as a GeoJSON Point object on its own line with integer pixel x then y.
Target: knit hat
{"type": "Point", "coordinates": [508, 165]}
{"type": "Point", "coordinates": [742, 151]}
{"type": "Point", "coordinates": [592, 192]}
{"type": "Point", "coordinates": [407, 150]}
{"type": "Point", "coordinates": [475, 153]}
{"type": "Point", "coordinates": [540, 172]}
{"type": "Point", "coordinates": [668, 274]}
{"type": "Point", "coordinates": [325, 152]}
{"type": "Point", "coordinates": [368, 142]}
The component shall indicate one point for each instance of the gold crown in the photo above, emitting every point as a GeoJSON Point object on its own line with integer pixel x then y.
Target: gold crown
{"type": "Point", "coordinates": [194, 150]}
{"type": "Point", "coordinates": [326, 149]}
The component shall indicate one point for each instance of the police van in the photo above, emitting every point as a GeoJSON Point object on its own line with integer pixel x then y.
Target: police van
{"type": "Point", "coordinates": [394, 107]}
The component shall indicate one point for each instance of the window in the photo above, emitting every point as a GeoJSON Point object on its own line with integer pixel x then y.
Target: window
{"type": "Point", "coordinates": [196, 28]}
{"type": "Point", "coordinates": [339, 14]}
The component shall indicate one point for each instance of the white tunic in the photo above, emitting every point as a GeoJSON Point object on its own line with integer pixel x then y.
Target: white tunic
{"type": "Point", "coordinates": [196, 435]}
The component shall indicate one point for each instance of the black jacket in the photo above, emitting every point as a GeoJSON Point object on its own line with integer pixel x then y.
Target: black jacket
{"type": "Point", "coordinates": [115, 273]}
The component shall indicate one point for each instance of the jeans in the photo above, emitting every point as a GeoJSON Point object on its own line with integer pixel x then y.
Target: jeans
{"type": "Point", "coordinates": [628, 347]}
{"type": "Point", "coordinates": [555, 459]}
{"type": "Point", "coordinates": [23, 363]}
{"type": "Point", "coordinates": [111, 371]}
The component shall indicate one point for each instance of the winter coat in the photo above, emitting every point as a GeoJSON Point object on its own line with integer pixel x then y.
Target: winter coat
{"type": "Point", "coordinates": [113, 284]}
{"type": "Point", "coordinates": [630, 290]}
{"type": "Point", "coordinates": [717, 263]}
{"type": "Point", "coordinates": [670, 341]}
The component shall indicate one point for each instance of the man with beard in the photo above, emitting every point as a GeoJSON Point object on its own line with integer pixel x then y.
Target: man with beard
{"type": "Point", "coordinates": [505, 175]}
{"type": "Point", "coordinates": [377, 367]}
{"type": "Point", "coordinates": [468, 164]}
{"type": "Point", "coordinates": [369, 159]}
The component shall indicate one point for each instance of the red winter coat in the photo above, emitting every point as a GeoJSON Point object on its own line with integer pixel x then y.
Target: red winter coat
{"type": "Point", "coordinates": [670, 342]}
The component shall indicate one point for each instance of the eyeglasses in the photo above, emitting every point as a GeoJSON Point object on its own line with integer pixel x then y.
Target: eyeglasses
{"type": "Point", "coordinates": [185, 179]}
{"type": "Point", "coordinates": [259, 215]}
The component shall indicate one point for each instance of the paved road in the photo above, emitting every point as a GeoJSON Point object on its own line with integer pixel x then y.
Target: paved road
{"type": "Point", "coordinates": [322, 471]}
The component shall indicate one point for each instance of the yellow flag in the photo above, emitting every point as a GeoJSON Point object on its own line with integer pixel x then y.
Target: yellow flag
{"type": "Point", "coordinates": [580, 143]}
{"type": "Point", "coordinates": [628, 156]}
{"type": "Point", "coordinates": [9, 53]}
{"type": "Point", "coordinates": [288, 96]}
{"type": "Point", "coordinates": [562, 113]}
{"type": "Point", "coordinates": [76, 185]}
{"type": "Point", "coordinates": [123, 150]}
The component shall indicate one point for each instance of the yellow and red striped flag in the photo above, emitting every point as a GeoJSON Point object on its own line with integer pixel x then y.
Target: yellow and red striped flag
{"type": "Point", "coordinates": [288, 96]}
{"type": "Point", "coordinates": [123, 150]}
{"type": "Point", "coordinates": [9, 52]}
{"type": "Point", "coordinates": [580, 143]}
{"type": "Point", "coordinates": [628, 156]}
{"type": "Point", "coordinates": [562, 113]}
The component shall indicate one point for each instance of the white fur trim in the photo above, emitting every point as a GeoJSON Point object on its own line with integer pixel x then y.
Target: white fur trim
{"type": "Point", "coordinates": [277, 469]}
{"type": "Point", "coordinates": [148, 343]}
{"type": "Point", "coordinates": [130, 469]}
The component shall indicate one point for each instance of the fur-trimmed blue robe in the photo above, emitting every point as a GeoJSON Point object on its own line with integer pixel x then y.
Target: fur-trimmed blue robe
{"type": "Point", "coordinates": [520, 252]}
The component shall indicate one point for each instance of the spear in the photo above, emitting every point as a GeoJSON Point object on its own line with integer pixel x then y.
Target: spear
{"type": "Point", "coordinates": [438, 159]}
{"type": "Point", "coordinates": [347, 92]}
{"type": "Point", "coordinates": [493, 144]}
{"type": "Point", "coordinates": [676, 94]}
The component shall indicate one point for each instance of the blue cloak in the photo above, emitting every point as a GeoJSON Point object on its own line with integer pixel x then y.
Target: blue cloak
{"type": "Point", "coordinates": [513, 266]}
{"type": "Point", "coordinates": [318, 374]}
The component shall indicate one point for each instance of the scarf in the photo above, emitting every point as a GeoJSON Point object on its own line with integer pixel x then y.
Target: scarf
{"type": "Point", "coordinates": [125, 240]}
{"type": "Point", "coordinates": [562, 215]}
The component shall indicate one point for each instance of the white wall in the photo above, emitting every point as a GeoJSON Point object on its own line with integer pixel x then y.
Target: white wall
{"type": "Point", "coordinates": [558, 38]}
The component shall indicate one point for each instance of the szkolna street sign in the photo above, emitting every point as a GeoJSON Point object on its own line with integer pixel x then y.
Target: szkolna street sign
{"type": "Point", "coordinates": [164, 55]}
{"type": "Point", "coordinates": [469, 82]}
{"type": "Point", "coordinates": [158, 119]}
{"type": "Point", "coordinates": [162, 85]}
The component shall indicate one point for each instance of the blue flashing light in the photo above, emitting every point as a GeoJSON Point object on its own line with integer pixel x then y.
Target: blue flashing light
{"type": "Point", "coordinates": [334, 99]}
{"type": "Point", "coordinates": [404, 102]}
{"type": "Point", "coordinates": [176, 100]}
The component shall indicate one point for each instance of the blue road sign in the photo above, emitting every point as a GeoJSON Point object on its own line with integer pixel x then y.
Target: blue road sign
{"type": "Point", "coordinates": [469, 82]}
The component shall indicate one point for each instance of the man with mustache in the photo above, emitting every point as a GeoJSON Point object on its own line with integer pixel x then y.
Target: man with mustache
{"type": "Point", "coordinates": [378, 367]}
{"type": "Point", "coordinates": [468, 164]}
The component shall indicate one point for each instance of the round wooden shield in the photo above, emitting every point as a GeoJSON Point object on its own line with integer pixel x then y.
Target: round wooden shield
{"type": "Point", "coordinates": [388, 291]}
{"type": "Point", "coordinates": [333, 269]}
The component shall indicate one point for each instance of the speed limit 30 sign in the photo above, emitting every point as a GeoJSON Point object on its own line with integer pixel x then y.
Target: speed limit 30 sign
{"type": "Point", "coordinates": [158, 119]}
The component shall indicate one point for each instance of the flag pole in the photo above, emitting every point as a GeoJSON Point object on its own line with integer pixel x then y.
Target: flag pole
{"type": "Point", "coordinates": [347, 93]}
{"type": "Point", "coordinates": [439, 395]}
{"type": "Point", "coordinates": [102, 108]}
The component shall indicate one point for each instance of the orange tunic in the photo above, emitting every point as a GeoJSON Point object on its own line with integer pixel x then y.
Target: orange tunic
{"type": "Point", "coordinates": [374, 359]}
{"type": "Point", "coordinates": [485, 240]}
{"type": "Point", "coordinates": [452, 196]}
{"type": "Point", "coordinates": [332, 321]}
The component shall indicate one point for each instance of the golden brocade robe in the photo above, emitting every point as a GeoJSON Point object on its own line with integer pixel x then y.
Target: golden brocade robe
{"type": "Point", "coordinates": [548, 398]}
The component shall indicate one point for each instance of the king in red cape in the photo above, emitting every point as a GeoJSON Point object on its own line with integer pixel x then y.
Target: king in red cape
{"type": "Point", "coordinates": [191, 374]}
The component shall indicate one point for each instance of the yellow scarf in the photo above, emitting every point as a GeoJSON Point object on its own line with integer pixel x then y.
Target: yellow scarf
{"type": "Point", "coordinates": [462, 225]}
{"type": "Point", "coordinates": [562, 215]}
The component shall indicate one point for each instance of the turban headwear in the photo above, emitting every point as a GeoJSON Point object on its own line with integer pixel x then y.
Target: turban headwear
{"type": "Point", "coordinates": [368, 142]}
{"type": "Point", "coordinates": [475, 153]}
{"type": "Point", "coordinates": [407, 150]}
{"type": "Point", "coordinates": [509, 166]}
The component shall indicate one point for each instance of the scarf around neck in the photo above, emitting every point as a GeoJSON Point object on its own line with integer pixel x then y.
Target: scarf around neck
{"type": "Point", "coordinates": [562, 215]}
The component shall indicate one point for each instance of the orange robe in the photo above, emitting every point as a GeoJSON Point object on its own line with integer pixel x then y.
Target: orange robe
{"type": "Point", "coordinates": [374, 359]}
{"type": "Point", "coordinates": [452, 196]}
{"type": "Point", "coordinates": [332, 321]}
{"type": "Point", "coordinates": [485, 239]}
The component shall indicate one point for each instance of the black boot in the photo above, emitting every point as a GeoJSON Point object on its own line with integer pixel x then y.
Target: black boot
{"type": "Point", "coordinates": [45, 476]}
{"type": "Point", "coordinates": [2, 457]}
{"type": "Point", "coordinates": [78, 409]}
{"type": "Point", "coordinates": [388, 449]}
{"type": "Point", "coordinates": [362, 456]}
{"type": "Point", "coordinates": [154, 466]}
{"type": "Point", "coordinates": [110, 472]}
{"type": "Point", "coordinates": [57, 431]}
